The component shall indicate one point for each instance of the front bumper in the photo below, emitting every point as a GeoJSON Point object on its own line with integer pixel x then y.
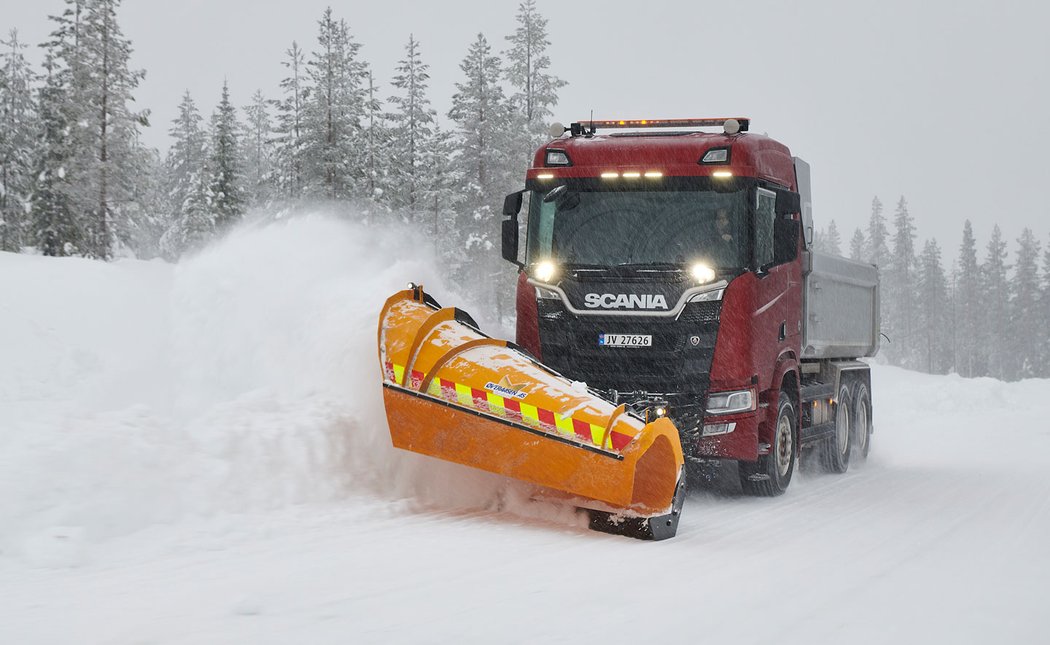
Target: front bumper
{"type": "Point", "coordinates": [740, 444]}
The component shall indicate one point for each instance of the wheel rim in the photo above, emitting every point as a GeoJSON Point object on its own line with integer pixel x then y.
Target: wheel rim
{"type": "Point", "coordinates": [785, 449]}
{"type": "Point", "coordinates": [862, 425]}
{"type": "Point", "coordinates": [842, 429]}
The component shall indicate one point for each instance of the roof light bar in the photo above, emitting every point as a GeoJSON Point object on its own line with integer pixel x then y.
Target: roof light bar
{"type": "Point", "coordinates": [663, 123]}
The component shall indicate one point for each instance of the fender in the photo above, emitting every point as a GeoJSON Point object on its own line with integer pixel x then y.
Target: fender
{"type": "Point", "coordinates": [786, 363]}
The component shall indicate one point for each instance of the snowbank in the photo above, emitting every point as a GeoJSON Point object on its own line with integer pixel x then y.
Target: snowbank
{"type": "Point", "coordinates": [241, 379]}
{"type": "Point", "coordinates": [241, 387]}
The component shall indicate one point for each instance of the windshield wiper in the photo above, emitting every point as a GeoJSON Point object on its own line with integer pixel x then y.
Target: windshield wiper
{"type": "Point", "coordinates": [585, 266]}
{"type": "Point", "coordinates": [662, 266]}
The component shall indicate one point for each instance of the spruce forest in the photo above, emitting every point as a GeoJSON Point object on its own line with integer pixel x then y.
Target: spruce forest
{"type": "Point", "coordinates": [75, 179]}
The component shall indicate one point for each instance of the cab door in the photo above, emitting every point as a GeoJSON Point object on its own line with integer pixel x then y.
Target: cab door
{"type": "Point", "coordinates": [778, 294]}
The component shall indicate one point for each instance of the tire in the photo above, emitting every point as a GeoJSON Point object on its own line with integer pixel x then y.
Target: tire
{"type": "Point", "coordinates": [835, 451]}
{"type": "Point", "coordinates": [771, 474]}
{"type": "Point", "coordinates": [862, 427]}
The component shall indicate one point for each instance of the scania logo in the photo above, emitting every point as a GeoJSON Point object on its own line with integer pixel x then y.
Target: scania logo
{"type": "Point", "coordinates": [625, 301]}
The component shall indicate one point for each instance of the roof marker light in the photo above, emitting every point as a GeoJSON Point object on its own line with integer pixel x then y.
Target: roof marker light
{"type": "Point", "coordinates": [654, 174]}
{"type": "Point", "coordinates": [632, 175]}
{"type": "Point", "coordinates": [557, 158]}
{"type": "Point", "coordinates": [722, 174]}
{"type": "Point", "coordinates": [716, 155]}
{"type": "Point", "coordinates": [610, 175]}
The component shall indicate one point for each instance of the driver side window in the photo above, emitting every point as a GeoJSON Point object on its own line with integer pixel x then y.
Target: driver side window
{"type": "Point", "coordinates": [765, 214]}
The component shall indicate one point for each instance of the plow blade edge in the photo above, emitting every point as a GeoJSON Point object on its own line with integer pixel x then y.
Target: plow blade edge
{"type": "Point", "coordinates": [453, 393]}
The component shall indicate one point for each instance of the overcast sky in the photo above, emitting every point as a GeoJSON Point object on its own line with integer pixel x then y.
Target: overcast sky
{"type": "Point", "coordinates": [943, 102]}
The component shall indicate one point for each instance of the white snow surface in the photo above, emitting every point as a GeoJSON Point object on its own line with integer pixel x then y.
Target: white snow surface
{"type": "Point", "coordinates": [198, 453]}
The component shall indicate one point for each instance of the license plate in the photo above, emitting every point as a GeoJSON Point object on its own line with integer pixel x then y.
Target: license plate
{"type": "Point", "coordinates": [625, 340]}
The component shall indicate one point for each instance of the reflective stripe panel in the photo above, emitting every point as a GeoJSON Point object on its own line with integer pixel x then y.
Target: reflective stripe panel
{"type": "Point", "coordinates": [463, 395]}
{"type": "Point", "coordinates": [510, 408]}
{"type": "Point", "coordinates": [496, 404]}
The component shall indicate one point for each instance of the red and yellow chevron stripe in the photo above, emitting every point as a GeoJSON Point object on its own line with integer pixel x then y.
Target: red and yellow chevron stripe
{"type": "Point", "coordinates": [509, 408]}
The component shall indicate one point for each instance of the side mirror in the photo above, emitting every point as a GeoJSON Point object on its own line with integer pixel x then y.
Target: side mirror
{"type": "Point", "coordinates": [785, 239]}
{"type": "Point", "coordinates": [788, 203]}
{"type": "Point", "coordinates": [512, 204]}
{"type": "Point", "coordinates": [510, 240]}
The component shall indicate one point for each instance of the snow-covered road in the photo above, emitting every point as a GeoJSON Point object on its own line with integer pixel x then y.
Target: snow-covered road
{"type": "Point", "coordinates": [197, 454]}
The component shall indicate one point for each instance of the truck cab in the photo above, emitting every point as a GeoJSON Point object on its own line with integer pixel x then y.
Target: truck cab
{"type": "Point", "coordinates": [663, 265]}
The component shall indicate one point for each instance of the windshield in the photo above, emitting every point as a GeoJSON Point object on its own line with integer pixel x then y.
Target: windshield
{"type": "Point", "coordinates": [617, 228]}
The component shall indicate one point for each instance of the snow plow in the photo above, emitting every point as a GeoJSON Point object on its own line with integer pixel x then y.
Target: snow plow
{"type": "Point", "coordinates": [454, 393]}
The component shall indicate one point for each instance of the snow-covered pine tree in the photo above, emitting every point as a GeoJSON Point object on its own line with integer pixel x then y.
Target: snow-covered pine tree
{"type": "Point", "coordinates": [440, 179]}
{"type": "Point", "coordinates": [833, 240]}
{"type": "Point", "coordinates": [258, 145]}
{"type": "Point", "coordinates": [480, 113]}
{"type": "Point", "coordinates": [332, 132]}
{"type": "Point", "coordinates": [1043, 369]}
{"type": "Point", "coordinates": [970, 343]}
{"type": "Point", "coordinates": [857, 246]}
{"type": "Point", "coordinates": [878, 250]}
{"type": "Point", "coordinates": [899, 308]}
{"type": "Point", "coordinates": [820, 242]}
{"type": "Point", "coordinates": [288, 168]}
{"type": "Point", "coordinates": [528, 71]}
{"type": "Point", "coordinates": [107, 143]}
{"type": "Point", "coordinates": [412, 133]}
{"type": "Point", "coordinates": [995, 294]}
{"type": "Point", "coordinates": [18, 133]}
{"type": "Point", "coordinates": [149, 207]}
{"type": "Point", "coordinates": [227, 201]}
{"type": "Point", "coordinates": [184, 186]}
{"type": "Point", "coordinates": [1026, 327]}
{"type": "Point", "coordinates": [54, 228]}
{"type": "Point", "coordinates": [933, 342]}
{"type": "Point", "coordinates": [376, 145]}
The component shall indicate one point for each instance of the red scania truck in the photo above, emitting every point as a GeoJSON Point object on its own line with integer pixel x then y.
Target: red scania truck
{"type": "Point", "coordinates": [671, 269]}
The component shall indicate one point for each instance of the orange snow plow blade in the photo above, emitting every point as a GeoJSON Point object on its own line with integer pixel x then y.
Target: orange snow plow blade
{"type": "Point", "coordinates": [453, 393]}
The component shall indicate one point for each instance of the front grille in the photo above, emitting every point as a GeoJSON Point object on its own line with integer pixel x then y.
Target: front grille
{"type": "Point", "coordinates": [679, 360]}
{"type": "Point", "coordinates": [701, 312]}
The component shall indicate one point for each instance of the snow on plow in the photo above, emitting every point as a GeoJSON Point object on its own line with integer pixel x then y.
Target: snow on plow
{"type": "Point", "coordinates": [454, 393]}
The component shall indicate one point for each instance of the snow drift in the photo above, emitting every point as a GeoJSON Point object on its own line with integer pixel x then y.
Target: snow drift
{"type": "Point", "coordinates": [243, 378]}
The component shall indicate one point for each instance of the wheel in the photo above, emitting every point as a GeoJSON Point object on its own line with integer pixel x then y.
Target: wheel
{"type": "Point", "coordinates": [861, 421]}
{"type": "Point", "coordinates": [834, 452]}
{"type": "Point", "coordinates": [771, 474]}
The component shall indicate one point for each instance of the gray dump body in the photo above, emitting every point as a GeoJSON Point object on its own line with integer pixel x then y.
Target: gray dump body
{"type": "Point", "coordinates": [840, 307]}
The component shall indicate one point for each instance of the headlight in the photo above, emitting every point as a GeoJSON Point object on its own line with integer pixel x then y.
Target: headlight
{"type": "Point", "coordinates": [702, 273]}
{"type": "Point", "coordinates": [730, 402]}
{"type": "Point", "coordinates": [545, 271]}
{"type": "Point", "coordinates": [708, 296]}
